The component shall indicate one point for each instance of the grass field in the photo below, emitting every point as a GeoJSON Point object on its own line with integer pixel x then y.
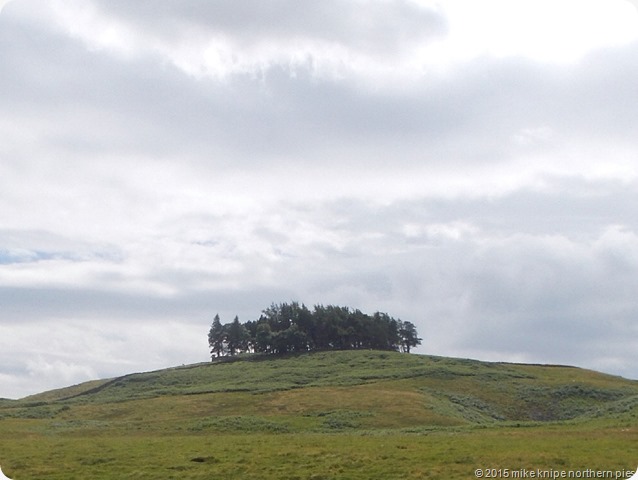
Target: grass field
{"type": "Point", "coordinates": [325, 415]}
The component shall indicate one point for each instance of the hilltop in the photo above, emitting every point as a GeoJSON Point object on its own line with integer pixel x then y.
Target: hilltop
{"type": "Point", "coordinates": [438, 390]}
{"type": "Point", "coordinates": [286, 410]}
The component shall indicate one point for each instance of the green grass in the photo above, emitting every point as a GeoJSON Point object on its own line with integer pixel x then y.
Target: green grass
{"type": "Point", "coordinates": [324, 415]}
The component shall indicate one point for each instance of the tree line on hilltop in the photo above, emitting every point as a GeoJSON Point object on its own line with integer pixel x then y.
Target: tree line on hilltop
{"type": "Point", "coordinates": [293, 327]}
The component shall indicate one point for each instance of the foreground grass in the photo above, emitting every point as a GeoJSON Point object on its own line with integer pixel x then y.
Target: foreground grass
{"type": "Point", "coordinates": [332, 415]}
{"type": "Point", "coordinates": [453, 454]}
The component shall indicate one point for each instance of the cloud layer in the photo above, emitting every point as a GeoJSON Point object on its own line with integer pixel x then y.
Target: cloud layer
{"type": "Point", "coordinates": [164, 161]}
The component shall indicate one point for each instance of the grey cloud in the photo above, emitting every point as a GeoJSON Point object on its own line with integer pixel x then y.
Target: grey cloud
{"type": "Point", "coordinates": [533, 295]}
{"type": "Point", "coordinates": [20, 246]}
{"type": "Point", "coordinates": [24, 305]}
{"type": "Point", "coordinates": [470, 117]}
{"type": "Point", "coordinates": [139, 199]}
{"type": "Point", "coordinates": [495, 292]}
{"type": "Point", "coordinates": [549, 298]}
{"type": "Point", "coordinates": [602, 96]}
{"type": "Point", "coordinates": [375, 26]}
{"type": "Point", "coordinates": [570, 206]}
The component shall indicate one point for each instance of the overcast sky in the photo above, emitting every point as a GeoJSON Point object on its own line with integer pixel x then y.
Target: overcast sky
{"type": "Point", "coordinates": [469, 166]}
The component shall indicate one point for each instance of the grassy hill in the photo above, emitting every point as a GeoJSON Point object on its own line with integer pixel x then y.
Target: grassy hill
{"type": "Point", "coordinates": [349, 414]}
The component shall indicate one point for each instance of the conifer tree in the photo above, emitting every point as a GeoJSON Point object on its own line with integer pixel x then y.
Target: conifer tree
{"type": "Point", "coordinates": [409, 336]}
{"type": "Point", "coordinates": [236, 337]}
{"type": "Point", "coordinates": [216, 338]}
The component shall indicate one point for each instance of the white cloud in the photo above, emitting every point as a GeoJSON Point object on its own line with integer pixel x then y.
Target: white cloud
{"type": "Point", "coordinates": [39, 357]}
{"type": "Point", "coordinates": [547, 31]}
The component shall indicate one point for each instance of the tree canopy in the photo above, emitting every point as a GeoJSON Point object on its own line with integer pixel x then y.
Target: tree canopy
{"type": "Point", "coordinates": [292, 327]}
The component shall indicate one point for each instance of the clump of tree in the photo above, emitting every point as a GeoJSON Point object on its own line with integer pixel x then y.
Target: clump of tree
{"type": "Point", "coordinates": [293, 327]}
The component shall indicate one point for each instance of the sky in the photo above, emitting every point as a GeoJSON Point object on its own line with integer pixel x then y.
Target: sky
{"type": "Point", "coordinates": [470, 167]}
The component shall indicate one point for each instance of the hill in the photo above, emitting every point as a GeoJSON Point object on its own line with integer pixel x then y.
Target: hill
{"type": "Point", "coordinates": [450, 391]}
{"type": "Point", "coordinates": [357, 399]}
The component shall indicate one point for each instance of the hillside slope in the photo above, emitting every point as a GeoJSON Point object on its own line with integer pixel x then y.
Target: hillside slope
{"type": "Point", "coordinates": [349, 415]}
{"type": "Point", "coordinates": [335, 390]}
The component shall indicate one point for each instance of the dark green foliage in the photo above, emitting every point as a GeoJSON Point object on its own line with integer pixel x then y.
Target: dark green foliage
{"type": "Point", "coordinates": [341, 420]}
{"type": "Point", "coordinates": [216, 338]}
{"type": "Point", "coordinates": [288, 328]}
{"type": "Point", "coordinates": [236, 337]}
{"type": "Point", "coordinates": [409, 336]}
{"type": "Point", "coordinates": [230, 339]}
{"type": "Point", "coordinates": [240, 424]}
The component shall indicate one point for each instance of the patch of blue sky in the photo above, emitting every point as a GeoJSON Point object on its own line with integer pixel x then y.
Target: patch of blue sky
{"type": "Point", "coordinates": [10, 256]}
